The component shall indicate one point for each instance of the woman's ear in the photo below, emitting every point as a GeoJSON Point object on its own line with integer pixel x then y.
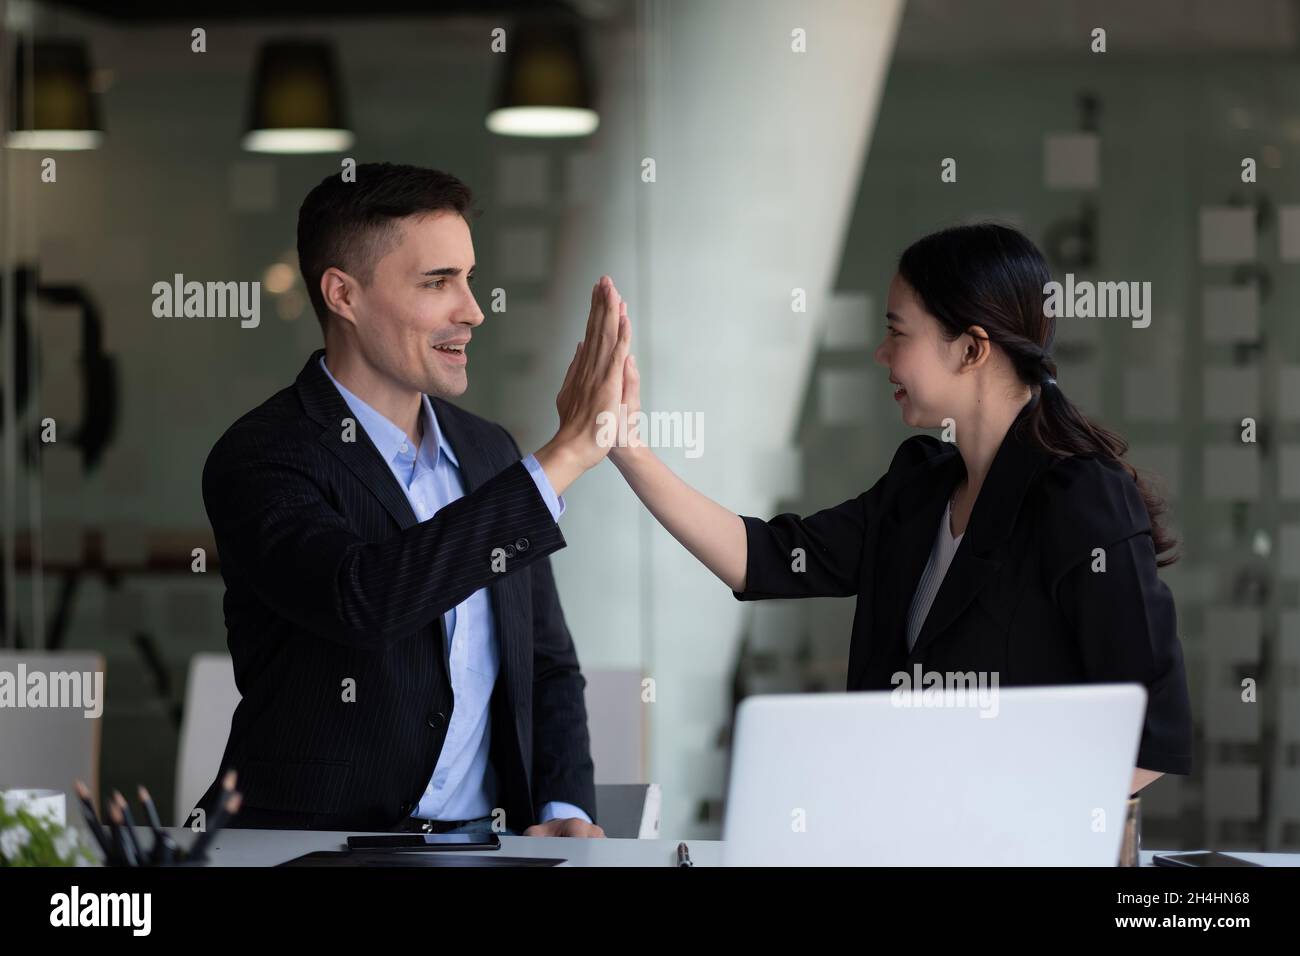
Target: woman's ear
{"type": "Point", "coordinates": [976, 347]}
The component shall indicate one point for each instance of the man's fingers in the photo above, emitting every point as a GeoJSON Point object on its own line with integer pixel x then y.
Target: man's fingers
{"type": "Point", "coordinates": [591, 324]}
{"type": "Point", "coordinates": [595, 308]}
{"type": "Point", "coordinates": [573, 364]}
{"type": "Point", "coordinates": [571, 827]}
{"type": "Point", "coordinates": [577, 827]}
{"type": "Point", "coordinates": [599, 295]}
{"type": "Point", "coordinates": [603, 334]}
{"type": "Point", "coordinates": [599, 344]}
{"type": "Point", "coordinates": [595, 323]}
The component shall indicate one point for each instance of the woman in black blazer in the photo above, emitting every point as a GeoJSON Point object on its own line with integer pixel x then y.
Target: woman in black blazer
{"type": "Point", "coordinates": [1052, 537]}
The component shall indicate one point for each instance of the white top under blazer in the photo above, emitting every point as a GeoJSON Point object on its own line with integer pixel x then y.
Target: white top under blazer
{"type": "Point", "coordinates": [945, 546]}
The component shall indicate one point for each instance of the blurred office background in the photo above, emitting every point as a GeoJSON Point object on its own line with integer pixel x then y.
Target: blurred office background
{"type": "Point", "coordinates": [749, 158]}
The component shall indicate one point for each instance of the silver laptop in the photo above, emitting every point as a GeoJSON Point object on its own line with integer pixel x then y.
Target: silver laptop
{"type": "Point", "coordinates": [1013, 777]}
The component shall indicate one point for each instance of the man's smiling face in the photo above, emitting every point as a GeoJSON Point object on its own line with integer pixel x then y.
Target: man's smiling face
{"type": "Point", "coordinates": [415, 316]}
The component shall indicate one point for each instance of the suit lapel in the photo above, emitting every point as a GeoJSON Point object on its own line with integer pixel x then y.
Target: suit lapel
{"type": "Point", "coordinates": [325, 406]}
{"type": "Point", "coordinates": [967, 575]}
{"type": "Point", "coordinates": [475, 466]}
{"type": "Point", "coordinates": [910, 527]}
{"type": "Point", "coordinates": [992, 520]}
{"type": "Point", "coordinates": [906, 535]}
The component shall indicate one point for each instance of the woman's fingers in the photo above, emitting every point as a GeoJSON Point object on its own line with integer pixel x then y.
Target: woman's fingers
{"type": "Point", "coordinates": [631, 383]}
{"type": "Point", "coordinates": [622, 346]}
{"type": "Point", "coordinates": [622, 337]}
{"type": "Point", "coordinates": [632, 400]}
{"type": "Point", "coordinates": [609, 321]}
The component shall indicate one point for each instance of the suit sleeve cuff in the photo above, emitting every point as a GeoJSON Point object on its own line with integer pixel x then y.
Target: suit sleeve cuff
{"type": "Point", "coordinates": [553, 501]}
{"type": "Point", "coordinates": [559, 810]}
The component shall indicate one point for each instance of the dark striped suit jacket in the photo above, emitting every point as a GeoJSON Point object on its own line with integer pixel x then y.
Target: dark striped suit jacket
{"type": "Point", "coordinates": [330, 578]}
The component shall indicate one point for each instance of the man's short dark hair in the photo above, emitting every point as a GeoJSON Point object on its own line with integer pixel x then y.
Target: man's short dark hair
{"type": "Point", "coordinates": [352, 225]}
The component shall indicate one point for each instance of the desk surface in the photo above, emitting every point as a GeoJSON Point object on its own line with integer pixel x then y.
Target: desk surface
{"type": "Point", "coordinates": [241, 847]}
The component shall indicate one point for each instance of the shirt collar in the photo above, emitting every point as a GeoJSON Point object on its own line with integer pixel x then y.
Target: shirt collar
{"type": "Point", "coordinates": [388, 437]}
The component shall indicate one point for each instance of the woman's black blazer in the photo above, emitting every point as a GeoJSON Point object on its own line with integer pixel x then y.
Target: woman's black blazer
{"type": "Point", "coordinates": [1025, 595]}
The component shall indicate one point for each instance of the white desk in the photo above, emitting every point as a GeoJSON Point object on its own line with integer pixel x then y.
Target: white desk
{"type": "Point", "coordinates": [243, 847]}
{"type": "Point", "coordinates": [238, 847]}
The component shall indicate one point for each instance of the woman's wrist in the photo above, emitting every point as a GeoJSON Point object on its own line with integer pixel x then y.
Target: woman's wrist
{"type": "Point", "coordinates": [630, 457]}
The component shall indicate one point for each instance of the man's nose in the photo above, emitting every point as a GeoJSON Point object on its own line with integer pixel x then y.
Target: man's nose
{"type": "Point", "coordinates": [471, 314]}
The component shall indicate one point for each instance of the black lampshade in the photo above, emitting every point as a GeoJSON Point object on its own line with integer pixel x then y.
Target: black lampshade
{"type": "Point", "coordinates": [297, 103]}
{"type": "Point", "coordinates": [54, 107]}
{"type": "Point", "coordinates": [545, 87]}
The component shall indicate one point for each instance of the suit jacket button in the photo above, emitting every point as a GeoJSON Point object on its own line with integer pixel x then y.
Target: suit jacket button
{"type": "Point", "coordinates": [521, 544]}
{"type": "Point", "coordinates": [509, 550]}
{"type": "Point", "coordinates": [435, 720]}
{"type": "Point", "coordinates": [405, 809]}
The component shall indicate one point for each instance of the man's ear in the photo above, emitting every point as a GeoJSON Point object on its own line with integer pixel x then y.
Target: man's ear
{"type": "Point", "coordinates": [339, 290]}
{"type": "Point", "coordinates": [976, 347]}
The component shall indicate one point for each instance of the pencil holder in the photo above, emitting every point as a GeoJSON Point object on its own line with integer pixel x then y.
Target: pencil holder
{"type": "Point", "coordinates": [1131, 845]}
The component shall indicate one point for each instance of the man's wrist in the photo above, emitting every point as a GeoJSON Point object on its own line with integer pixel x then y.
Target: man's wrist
{"type": "Point", "coordinates": [560, 810]}
{"type": "Point", "coordinates": [554, 503]}
{"type": "Point", "coordinates": [560, 462]}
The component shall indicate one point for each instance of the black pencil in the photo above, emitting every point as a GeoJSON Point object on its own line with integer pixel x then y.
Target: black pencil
{"type": "Point", "coordinates": [163, 845]}
{"type": "Point", "coordinates": [225, 810]}
{"type": "Point", "coordinates": [92, 822]}
{"type": "Point", "coordinates": [130, 827]}
{"type": "Point", "coordinates": [126, 856]}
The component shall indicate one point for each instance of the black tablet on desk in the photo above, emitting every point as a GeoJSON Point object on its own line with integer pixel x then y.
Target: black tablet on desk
{"type": "Point", "coordinates": [385, 858]}
{"type": "Point", "coordinates": [425, 842]}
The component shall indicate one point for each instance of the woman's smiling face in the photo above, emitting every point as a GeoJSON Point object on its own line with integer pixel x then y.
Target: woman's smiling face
{"type": "Point", "coordinates": [923, 366]}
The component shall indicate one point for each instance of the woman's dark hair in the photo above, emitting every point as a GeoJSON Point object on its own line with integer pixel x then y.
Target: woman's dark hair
{"type": "Point", "coordinates": [991, 275]}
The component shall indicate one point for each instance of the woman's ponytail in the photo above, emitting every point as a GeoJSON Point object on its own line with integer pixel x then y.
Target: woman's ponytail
{"type": "Point", "coordinates": [991, 275]}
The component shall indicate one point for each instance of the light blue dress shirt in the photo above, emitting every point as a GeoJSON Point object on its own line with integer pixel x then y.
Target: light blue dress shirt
{"type": "Point", "coordinates": [463, 785]}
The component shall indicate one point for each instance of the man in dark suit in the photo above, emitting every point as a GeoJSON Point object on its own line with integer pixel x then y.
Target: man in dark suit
{"type": "Point", "coordinates": [396, 634]}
